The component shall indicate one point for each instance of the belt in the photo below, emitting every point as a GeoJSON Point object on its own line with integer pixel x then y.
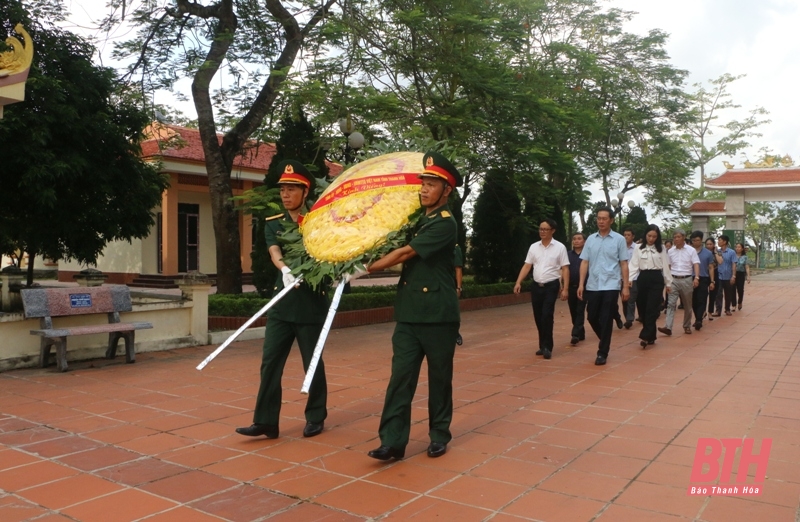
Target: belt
{"type": "Point", "coordinates": [547, 283]}
{"type": "Point", "coordinates": [681, 277]}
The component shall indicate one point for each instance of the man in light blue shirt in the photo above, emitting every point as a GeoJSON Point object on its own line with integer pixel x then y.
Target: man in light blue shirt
{"type": "Point", "coordinates": [605, 260]}
{"type": "Point", "coordinates": [726, 275]}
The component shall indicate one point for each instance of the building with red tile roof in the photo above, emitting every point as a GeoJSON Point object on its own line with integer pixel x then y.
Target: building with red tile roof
{"type": "Point", "coordinates": [183, 237]}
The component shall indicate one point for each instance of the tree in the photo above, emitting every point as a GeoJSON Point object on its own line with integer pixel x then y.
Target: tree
{"type": "Point", "coordinates": [197, 41]}
{"type": "Point", "coordinates": [497, 248]}
{"type": "Point", "coordinates": [73, 178]}
{"type": "Point", "coordinates": [298, 140]}
{"type": "Point", "coordinates": [637, 221]}
{"type": "Point", "coordinates": [700, 122]}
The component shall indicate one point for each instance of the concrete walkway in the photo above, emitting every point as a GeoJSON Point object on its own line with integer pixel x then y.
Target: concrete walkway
{"type": "Point", "coordinates": [558, 440]}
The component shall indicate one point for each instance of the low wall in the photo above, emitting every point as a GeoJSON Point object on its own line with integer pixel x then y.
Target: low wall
{"type": "Point", "coordinates": [177, 322]}
{"type": "Point", "coordinates": [354, 317]}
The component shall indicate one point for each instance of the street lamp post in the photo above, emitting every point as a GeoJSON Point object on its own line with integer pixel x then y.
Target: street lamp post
{"type": "Point", "coordinates": [616, 204]}
{"type": "Point", "coordinates": [354, 140]}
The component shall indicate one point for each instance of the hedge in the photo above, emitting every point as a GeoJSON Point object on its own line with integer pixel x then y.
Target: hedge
{"type": "Point", "coordinates": [360, 298]}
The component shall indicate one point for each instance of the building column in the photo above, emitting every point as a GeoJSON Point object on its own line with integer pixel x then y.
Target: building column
{"type": "Point", "coordinates": [734, 209]}
{"type": "Point", "coordinates": [169, 227]}
{"type": "Point", "coordinates": [701, 223]}
{"type": "Point", "coordinates": [246, 234]}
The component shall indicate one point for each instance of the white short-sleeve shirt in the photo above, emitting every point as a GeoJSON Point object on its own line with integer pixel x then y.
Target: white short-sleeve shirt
{"type": "Point", "coordinates": [547, 260]}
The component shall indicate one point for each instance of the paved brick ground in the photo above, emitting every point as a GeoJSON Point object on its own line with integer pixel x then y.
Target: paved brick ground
{"type": "Point", "coordinates": [558, 440]}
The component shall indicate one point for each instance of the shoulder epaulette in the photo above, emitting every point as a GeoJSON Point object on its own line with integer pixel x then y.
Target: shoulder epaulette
{"type": "Point", "coordinates": [276, 216]}
{"type": "Point", "coordinates": [445, 214]}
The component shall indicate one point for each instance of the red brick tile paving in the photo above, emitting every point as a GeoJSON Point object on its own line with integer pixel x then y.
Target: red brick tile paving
{"type": "Point", "coordinates": [558, 440]}
{"type": "Point", "coordinates": [69, 491]}
{"type": "Point", "coordinates": [125, 506]}
{"type": "Point", "coordinates": [188, 486]}
{"type": "Point", "coordinates": [243, 504]}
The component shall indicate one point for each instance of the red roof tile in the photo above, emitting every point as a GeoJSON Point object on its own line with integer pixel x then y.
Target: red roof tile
{"type": "Point", "coordinates": [187, 146]}
{"type": "Point", "coordinates": [707, 206]}
{"type": "Point", "coordinates": [771, 176]}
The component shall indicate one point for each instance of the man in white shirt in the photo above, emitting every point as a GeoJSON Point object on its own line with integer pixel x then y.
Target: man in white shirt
{"type": "Point", "coordinates": [685, 268]}
{"type": "Point", "coordinates": [550, 264]}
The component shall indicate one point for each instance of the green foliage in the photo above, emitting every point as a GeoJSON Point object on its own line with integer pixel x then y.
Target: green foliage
{"type": "Point", "coordinates": [636, 219]}
{"type": "Point", "coordinates": [497, 246]}
{"type": "Point", "coordinates": [360, 298]}
{"type": "Point", "coordinates": [72, 177]}
{"type": "Point", "coordinates": [317, 273]}
{"type": "Point", "coordinates": [700, 122]}
{"type": "Point", "coordinates": [298, 140]}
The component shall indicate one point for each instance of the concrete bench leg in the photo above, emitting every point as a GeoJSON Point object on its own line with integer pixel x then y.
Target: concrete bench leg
{"type": "Point", "coordinates": [130, 351]}
{"type": "Point", "coordinates": [44, 351]}
{"type": "Point", "coordinates": [61, 354]}
{"type": "Point", "coordinates": [113, 340]}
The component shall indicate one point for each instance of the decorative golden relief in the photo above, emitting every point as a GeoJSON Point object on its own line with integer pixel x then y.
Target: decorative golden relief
{"type": "Point", "coordinates": [767, 163]}
{"type": "Point", "coordinates": [16, 60]}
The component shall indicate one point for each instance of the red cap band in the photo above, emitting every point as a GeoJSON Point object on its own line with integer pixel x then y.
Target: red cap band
{"type": "Point", "coordinates": [294, 178]}
{"type": "Point", "coordinates": [439, 172]}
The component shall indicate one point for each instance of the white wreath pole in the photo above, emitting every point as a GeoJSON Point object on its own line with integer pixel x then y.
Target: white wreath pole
{"type": "Point", "coordinates": [323, 336]}
{"type": "Point", "coordinates": [250, 321]}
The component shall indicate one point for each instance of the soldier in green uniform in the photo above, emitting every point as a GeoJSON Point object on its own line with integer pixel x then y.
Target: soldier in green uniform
{"type": "Point", "coordinates": [299, 315]}
{"type": "Point", "coordinates": [427, 315]}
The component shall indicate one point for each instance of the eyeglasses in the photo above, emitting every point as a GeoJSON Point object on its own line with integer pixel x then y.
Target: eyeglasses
{"type": "Point", "coordinates": [545, 229]}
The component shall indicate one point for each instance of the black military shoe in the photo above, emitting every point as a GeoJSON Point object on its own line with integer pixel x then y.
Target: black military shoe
{"type": "Point", "coordinates": [387, 453]}
{"type": "Point", "coordinates": [573, 341]}
{"type": "Point", "coordinates": [437, 449]}
{"type": "Point", "coordinates": [256, 430]}
{"type": "Point", "coordinates": [313, 429]}
{"type": "Point", "coordinates": [539, 352]}
{"type": "Point", "coordinates": [600, 361]}
{"type": "Point", "coordinates": [547, 354]}
{"type": "Point", "coordinates": [628, 325]}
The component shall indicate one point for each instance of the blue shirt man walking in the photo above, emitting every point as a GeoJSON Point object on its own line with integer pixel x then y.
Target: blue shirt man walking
{"type": "Point", "coordinates": [605, 261]}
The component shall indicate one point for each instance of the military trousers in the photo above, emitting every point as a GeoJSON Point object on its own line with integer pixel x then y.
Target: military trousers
{"type": "Point", "coordinates": [278, 339]}
{"type": "Point", "coordinates": [411, 343]}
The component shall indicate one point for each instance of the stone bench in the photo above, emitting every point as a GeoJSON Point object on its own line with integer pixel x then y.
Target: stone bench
{"type": "Point", "coordinates": [46, 303]}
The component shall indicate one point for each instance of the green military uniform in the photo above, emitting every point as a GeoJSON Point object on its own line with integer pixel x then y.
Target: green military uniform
{"type": "Point", "coordinates": [427, 315]}
{"type": "Point", "coordinates": [299, 315]}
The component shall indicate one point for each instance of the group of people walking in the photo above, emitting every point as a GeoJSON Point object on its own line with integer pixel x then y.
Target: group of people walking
{"type": "Point", "coordinates": [707, 279]}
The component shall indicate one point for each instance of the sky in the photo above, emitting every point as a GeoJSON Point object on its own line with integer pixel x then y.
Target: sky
{"type": "Point", "coordinates": [707, 38]}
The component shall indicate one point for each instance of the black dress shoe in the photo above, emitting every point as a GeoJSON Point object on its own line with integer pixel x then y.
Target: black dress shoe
{"type": "Point", "coordinates": [256, 430]}
{"type": "Point", "coordinates": [459, 340]}
{"type": "Point", "coordinates": [387, 453]}
{"type": "Point", "coordinates": [628, 325]}
{"type": "Point", "coordinates": [546, 353]}
{"type": "Point", "coordinates": [313, 429]}
{"type": "Point", "coordinates": [643, 344]}
{"type": "Point", "coordinates": [573, 341]}
{"type": "Point", "coordinates": [665, 331]}
{"type": "Point", "coordinates": [437, 449]}
{"type": "Point", "coordinates": [600, 361]}
{"type": "Point", "coordinates": [619, 323]}
{"type": "Point", "coordinates": [539, 352]}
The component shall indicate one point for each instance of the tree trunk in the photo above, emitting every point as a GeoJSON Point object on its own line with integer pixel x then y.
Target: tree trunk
{"type": "Point", "coordinates": [31, 258]}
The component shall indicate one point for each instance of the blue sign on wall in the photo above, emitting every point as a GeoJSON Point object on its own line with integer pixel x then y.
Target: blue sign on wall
{"type": "Point", "coordinates": [80, 300]}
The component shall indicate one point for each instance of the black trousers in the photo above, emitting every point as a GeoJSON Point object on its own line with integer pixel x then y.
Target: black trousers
{"type": "Point", "coordinates": [648, 300]}
{"type": "Point", "coordinates": [738, 296]}
{"type": "Point", "coordinates": [700, 300]}
{"type": "Point", "coordinates": [633, 304]}
{"type": "Point", "coordinates": [577, 310]}
{"type": "Point", "coordinates": [601, 307]}
{"type": "Point", "coordinates": [543, 300]}
{"type": "Point", "coordinates": [712, 294]}
{"type": "Point", "coordinates": [726, 291]}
